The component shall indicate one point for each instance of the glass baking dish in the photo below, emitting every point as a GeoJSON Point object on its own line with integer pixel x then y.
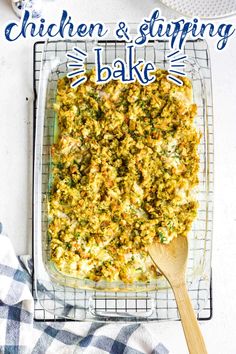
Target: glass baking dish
{"type": "Point", "coordinates": [52, 286]}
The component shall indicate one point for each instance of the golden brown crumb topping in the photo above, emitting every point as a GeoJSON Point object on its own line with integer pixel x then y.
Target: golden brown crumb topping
{"type": "Point", "coordinates": [125, 163]}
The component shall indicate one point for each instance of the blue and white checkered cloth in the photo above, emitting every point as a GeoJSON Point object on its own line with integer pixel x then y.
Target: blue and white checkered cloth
{"type": "Point", "coordinates": [19, 334]}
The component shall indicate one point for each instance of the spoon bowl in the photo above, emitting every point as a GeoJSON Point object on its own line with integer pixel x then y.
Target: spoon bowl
{"type": "Point", "coordinates": [171, 260]}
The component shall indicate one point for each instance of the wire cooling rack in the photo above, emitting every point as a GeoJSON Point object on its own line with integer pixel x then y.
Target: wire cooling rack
{"type": "Point", "coordinates": [59, 303]}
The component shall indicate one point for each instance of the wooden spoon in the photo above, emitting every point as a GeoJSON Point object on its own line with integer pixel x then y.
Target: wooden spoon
{"type": "Point", "coordinates": [171, 260]}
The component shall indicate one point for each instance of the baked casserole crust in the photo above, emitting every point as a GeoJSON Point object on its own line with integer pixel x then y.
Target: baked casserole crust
{"type": "Point", "coordinates": [125, 166]}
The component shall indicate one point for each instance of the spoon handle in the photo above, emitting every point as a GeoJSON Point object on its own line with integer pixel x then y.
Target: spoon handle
{"type": "Point", "coordinates": [189, 321]}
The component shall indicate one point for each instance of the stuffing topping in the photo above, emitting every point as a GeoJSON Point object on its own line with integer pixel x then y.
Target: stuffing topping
{"type": "Point", "coordinates": [124, 167]}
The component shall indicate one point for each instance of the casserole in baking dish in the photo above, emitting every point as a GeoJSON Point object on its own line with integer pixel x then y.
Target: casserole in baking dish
{"type": "Point", "coordinates": [53, 70]}
{"type": "Point", "coordinates": [124, 165]}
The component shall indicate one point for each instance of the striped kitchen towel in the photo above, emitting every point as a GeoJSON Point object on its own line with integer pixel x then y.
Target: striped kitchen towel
{"type": "Point", "coordinates": [20, 334]}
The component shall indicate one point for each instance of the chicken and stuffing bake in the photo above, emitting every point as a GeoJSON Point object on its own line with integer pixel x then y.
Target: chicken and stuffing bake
{"type": "Point", "coordinates": [124, 165]}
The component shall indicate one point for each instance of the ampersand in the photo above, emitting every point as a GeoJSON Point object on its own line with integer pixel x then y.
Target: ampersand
{"type": "Point", "coordinates": [122, 31]}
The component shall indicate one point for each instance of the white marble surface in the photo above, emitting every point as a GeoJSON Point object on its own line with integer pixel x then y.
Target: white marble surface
{"type": "Point", "coordinates": [15, 159]}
